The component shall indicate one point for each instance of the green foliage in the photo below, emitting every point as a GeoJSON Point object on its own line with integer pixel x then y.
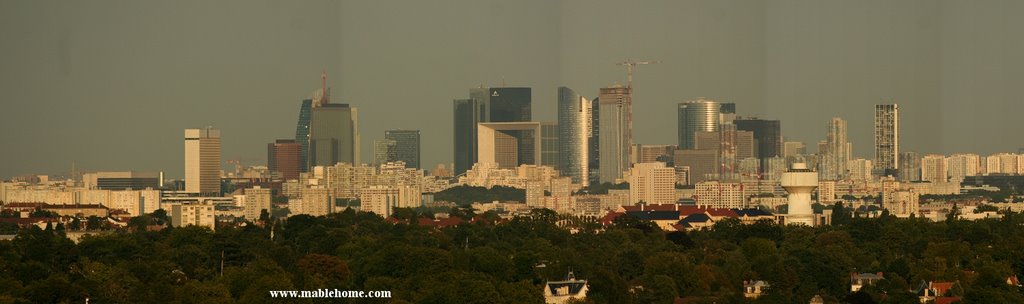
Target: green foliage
{"type": "Point", "coordinates": [466, 195]}
{"type": "Point", "coordinates": [602, 188]}
{"type": "Point", "coordinates": [631, 261]}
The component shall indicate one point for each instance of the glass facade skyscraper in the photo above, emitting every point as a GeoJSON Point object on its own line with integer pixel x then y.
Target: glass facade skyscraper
{"type": "Point", "coordinates": [302, 134]}
{"type": "Point", "coordinates": [767, 133]}
{"type": "Point", "coordinates": [616, 132]}
{"type": "Point", "coordinates": [407, 146]}
{"type": "Point", "coordinates": [697, 115]}
{"type": "Point", "coordinates": [334, 135]}
{"type": "Point", "coordinates": [467, 113]}
{"type": "Point", "coordinates": [574, 132]}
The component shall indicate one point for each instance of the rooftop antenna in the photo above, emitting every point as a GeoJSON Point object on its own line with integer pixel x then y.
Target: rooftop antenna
{"type": "Point", "coordinates": [323, 87]}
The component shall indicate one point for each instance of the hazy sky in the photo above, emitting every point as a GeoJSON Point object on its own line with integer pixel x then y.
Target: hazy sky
{"type": "Point", "coordinates": [110, 85]}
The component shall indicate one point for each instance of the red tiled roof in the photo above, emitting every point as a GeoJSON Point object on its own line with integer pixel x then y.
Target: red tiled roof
{"type": "Point", "coordinates": [439, 223]}
{"type": "Point", "coordinates": [722, 212]}
{"type": "Point", "coordinates": [946, 300]}
{"type": "Point", "coordinates": [609, 218]}
{"type": "Point", "coordinates": [942, 287]}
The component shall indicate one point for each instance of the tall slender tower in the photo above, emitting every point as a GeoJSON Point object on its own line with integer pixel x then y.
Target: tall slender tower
{"type": "Point", "coordinates": [616, 132]}
{"type": "Point", "coordinates": [835, 154]}
{"type": "Point", "coordinates": [202, 161]}
{"type": "Point", "coordinates": [573, 135]}
{"type": "Point", "coordinates": [302, 134]}
{"type": "Point", "coordinates": [887, 139]}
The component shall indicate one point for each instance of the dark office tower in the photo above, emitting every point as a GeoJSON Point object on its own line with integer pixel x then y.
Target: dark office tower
{"type": "Point", "coordinates": [594, 142]}
{"type": "Point", "coordinates": [407, 146]}
{"type": "Point", "coordinates": [467, 113]}
{"type": "Point", "coordinates": [302, 134]}
{"type": "Point", "coordinates": [727, 112]}
{"type": "Point", "coordinates": [767, 133]}
{"type": "Point", "coordinates": [503, 104]}
{"type": "Point", "coordinates": [283, 156]}
{"type": "Point", "coordinates": [728, 108]}
{"type": "Point", "coordinates": [701, 115]}
{"type": "Point", "coordinates": [333, 135]}
{"type": "Point", "coordinates": [549, 144]}
{"type": "Point", "coordinates": [574, 132]}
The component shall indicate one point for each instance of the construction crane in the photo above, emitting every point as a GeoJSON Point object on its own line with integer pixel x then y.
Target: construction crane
{"type": "Point", "coordinates": [630, 65]}
{"type": "Point", "coordinates": [238, 166]}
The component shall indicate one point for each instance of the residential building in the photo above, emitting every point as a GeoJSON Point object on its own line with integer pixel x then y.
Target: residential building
{"type": "Point", "coordinates": [257, 199]}
{"type": "Point", "coordinates": [933, 168]}
{"type": "Point", "coordinates": [836, 151]}
{"type": "Point", "coordinates": [652, 183]}
{"type": "Point", "coordinates": [201, 215]}
{"type": "Point", "coordinates": [887, 139]}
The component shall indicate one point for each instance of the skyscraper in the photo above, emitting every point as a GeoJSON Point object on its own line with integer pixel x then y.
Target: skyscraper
{"type": "Point", "coordinates": [549, 144]}
{"type": "Point", "coordinates": [302, 133]}
{"type": "Point", "coordinates": [334, 135]}
{"type": "Point", "coordinates": [594, 151]}
{"type": "Point", "coordinates": [467, 113]}
{"type": "Point", "coordinates": [697, 115]}
{"type": "Point", "coordinates": [486, 105]}
{"type": "Point", "coordinates": [284, 156]}
{"type": "Point", "coordinates": [383, 151]}
{"type": "Point", "coordinates": [835, 153]}
{"type": "Point", "coordinates": [202, 161]}
{"type": "Point", "coordinates": [574, 132]}
{"type": "Point", "coordinates": [767, 133]}
{"type": "Point", "coordinates": [616, 132]}
{"type": "Point", "coordinates": [887, 139]}
{"type": "Point", "coordinates": [407, 146]}
{"type": "Point", "coordinates": [504, 104]}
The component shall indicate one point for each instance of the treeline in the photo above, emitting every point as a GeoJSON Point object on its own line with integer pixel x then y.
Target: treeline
{"type": "Point", "coordinates": [483, 262]}
{"type": "Point", "coordinates": [466, 195]}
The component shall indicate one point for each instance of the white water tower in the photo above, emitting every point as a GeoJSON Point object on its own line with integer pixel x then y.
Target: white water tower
{"type": "Point", "coordinates": [800, 182]}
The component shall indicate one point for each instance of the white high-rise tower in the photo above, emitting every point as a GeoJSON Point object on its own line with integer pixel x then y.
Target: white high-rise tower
{"type": "Point", "coordinates": [202, 161]}
{"type": "Point", "coordinates": [800, 182]}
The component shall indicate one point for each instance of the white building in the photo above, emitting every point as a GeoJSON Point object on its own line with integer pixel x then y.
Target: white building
{"type": "Point", "coordinates": [315, 201]}
{"type": "Point", "coordinates": [901, 203]}
{"type": "Point", "coordinates": [716, 194]}
{"type": "Point", "coordinates": [202, 161]}
{"type": "Point", "coordinates": [826, 192]}
{"type": "Point", "coordinates": [963, 165]}
{"type": "Point", "coordinates": [257, 199]}
{"type": "Point", "coordinates": [860, 169]}
{"type": "Point", "coordinates": [933, 168]}
{"type": "Point", "coordinates": [193, 215]}
{"type": "Point", "coordinates": [653, 183]}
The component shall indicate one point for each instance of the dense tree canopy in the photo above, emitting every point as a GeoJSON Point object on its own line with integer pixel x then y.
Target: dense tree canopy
{"type": "Point", "coordinates": [629, 262]}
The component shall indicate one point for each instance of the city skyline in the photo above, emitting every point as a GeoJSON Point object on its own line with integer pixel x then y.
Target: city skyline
{"type": "Point", "coordinates": [94, 79]}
